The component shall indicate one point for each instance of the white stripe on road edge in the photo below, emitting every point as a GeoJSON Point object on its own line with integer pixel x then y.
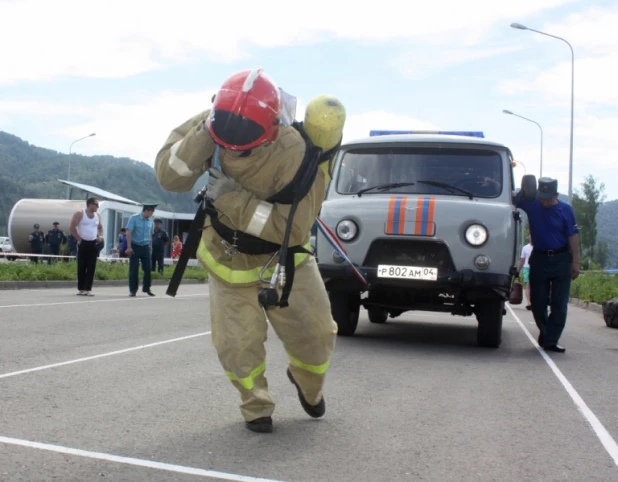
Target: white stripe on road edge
{"type": "Point", "coordinates": [606, 439]}
{"type": "Point", "coordinates": [131, 461]}
{"type": "Point", "coordinates": [127, 298]}
{"type": "Point", "coordinates": [94, 357]}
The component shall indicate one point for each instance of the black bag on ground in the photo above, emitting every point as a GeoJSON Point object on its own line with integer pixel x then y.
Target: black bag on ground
{"type": "Point", "coordinates": [610, 313]}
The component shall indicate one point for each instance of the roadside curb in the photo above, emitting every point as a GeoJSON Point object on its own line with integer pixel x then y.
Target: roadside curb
{"type": "Point", "coordinates": [16, 285]}
{"type": "Point", "coordinates": [586, 305]}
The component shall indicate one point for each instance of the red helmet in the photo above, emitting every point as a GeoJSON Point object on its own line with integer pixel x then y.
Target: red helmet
{"type": "Point", "coordinates": [245, 111]}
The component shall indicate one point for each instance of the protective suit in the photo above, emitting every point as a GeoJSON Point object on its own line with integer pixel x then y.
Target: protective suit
{"type": "Point", "coordinates": [253, 168]}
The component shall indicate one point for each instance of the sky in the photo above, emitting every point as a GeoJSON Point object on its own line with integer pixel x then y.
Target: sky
{"type": "Point", "coordinates": [131, 71]}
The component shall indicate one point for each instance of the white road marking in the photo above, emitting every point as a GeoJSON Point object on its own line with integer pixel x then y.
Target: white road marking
{"type": "Point", "coordinates": [132, 461]}
{"type": "Point", "coordinates": [102, 355]}
{"type": "Point", "coordinates": [601, 432]}
{"type": "Point", "coordinates": [127, 298]}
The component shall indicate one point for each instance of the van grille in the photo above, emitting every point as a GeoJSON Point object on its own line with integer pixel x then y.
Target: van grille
{"type": "Point", "coordinates": [430, 254]}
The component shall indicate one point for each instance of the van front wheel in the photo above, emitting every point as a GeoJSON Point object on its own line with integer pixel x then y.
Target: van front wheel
{"type": "Point", "coordinates": [489, 315]}
{"type": "Point", "coordinates": [345, 308]}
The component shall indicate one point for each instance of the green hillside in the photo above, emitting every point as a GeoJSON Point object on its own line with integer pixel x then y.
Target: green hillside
{"type": "Point", "coordinates": [27, 171]}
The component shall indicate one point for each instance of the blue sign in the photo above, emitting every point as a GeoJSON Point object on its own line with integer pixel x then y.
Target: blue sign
{"type": "Point", "coordinates": [449, 133]}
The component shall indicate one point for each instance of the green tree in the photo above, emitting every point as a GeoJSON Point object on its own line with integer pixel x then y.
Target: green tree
{"type": "Point", "coordinates": [586, 202]}
{"type": "Point", "coordinates": [601, 254]}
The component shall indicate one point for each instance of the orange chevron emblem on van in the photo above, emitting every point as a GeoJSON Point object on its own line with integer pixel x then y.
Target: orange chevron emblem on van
{"type": "Point", "coordinates": [421, 225]}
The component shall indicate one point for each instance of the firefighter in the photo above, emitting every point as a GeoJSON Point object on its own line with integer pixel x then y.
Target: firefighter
{"type": "Point", "coordinates": [259, 157]}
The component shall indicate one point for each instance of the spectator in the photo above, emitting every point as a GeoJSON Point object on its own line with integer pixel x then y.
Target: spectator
{"type": "Point", "coordinates": [55, 237]}
{"type": "Point", "coordinates": [176, 249]}
{"type": "Point", "coordinates": [87, 229]}
{"type": "Point", "coordinates": [139, 237]}
{"type": "Point", "coordinates": [554, 261]}
{"type": "Point", "coordinates": [122, 243]}
{"type": "Point", "coordinates": [159, 240]}
{"type": "Point", "coordinates": [37, 240]}
{"type": "Point", "coordinates": [524, 269]}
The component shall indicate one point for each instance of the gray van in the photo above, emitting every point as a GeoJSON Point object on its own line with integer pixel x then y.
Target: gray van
{"type": "Point", "coordinates": [428, 220]}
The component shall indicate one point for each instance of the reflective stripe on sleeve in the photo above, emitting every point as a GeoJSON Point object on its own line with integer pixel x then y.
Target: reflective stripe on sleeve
{"type": "Point", "coordinates": [259, 218]}
{"type": "Point", "coordinates": [178, 165]}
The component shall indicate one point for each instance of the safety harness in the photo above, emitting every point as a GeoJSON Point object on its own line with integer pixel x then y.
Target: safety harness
{"type": "Point", "coordinates": [246, 243]}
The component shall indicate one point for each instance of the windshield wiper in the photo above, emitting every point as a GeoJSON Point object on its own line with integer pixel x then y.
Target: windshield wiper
{"type": "Point", "coordinates": [383, 187]}
{"type": "Point", "coordinates": [448, 186]}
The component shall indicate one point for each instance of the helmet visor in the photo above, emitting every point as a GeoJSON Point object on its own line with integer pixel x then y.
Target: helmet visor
{"type": "Point", "coordinates": [234, 131]}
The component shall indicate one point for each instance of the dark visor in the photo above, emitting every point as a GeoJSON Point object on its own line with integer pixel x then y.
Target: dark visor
{"type": "Point", "coordinates": [235, 130]}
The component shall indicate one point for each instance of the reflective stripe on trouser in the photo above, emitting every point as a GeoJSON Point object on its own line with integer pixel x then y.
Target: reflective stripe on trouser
{"type": "Point", "coordinates": [305, 327]}
{"type": "Point", "coordinates": [239, 276]}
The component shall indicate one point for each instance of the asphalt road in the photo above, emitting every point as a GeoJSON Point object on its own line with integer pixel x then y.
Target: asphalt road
{"type": "Point", "coordinates": [118, 388]}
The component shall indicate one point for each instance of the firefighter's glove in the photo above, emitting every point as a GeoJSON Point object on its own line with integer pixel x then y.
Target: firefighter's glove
{"type": "Point", "coordinates": [220, 184]}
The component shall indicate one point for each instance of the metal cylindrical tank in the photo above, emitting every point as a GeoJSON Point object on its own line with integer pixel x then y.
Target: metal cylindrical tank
{"type": "Point", "coordinates": [27, 212]}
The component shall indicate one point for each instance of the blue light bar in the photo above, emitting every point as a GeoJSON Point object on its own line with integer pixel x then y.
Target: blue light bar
{"type": "Point", "coordinates": [449, 133]}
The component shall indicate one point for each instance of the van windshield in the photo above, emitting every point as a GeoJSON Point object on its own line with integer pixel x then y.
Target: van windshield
{"type": "Point", "coordinates": [421, 170]}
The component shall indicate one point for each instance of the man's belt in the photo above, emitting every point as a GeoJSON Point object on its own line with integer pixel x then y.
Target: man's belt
{"type": "Point", "coordinates": [551, 252]}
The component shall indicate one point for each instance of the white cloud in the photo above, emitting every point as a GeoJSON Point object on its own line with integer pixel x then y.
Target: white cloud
{"type": "Point", "coordinates": [594, 38]}
{"type": "Point", "coordinates": [359, 125]}
{"type": "Point", "coordinates": [544, 82]}
{"type": "Point", "coordinates": [120, 38]}
{"type": "Point", "coordinates": [594, 153]}
{"type": "Point", "coordinates": [136, 130]}
{"type": "Point", "coordinates": [421, 63]}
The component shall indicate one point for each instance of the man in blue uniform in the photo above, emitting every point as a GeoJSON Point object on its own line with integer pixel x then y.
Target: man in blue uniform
{"type": "Point", "coordinates": [139, 237]}
{"type": "Point", "coordinates": [554, 261]}
{"type": "Point", "coordinates": [55, 237]}
{"type": "Point", "coordinates": [122, 243]}
{"type": "Point", "coordinates": [37, 240]}
{"type": "Point", "coordinates": [159, 241]}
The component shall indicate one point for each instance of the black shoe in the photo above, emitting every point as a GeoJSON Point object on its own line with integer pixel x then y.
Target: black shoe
{"type": "Point", "coordinates": [132, 294]}
{"type": "Point", "coordinates": [529, 307]}
{"type": "Point", "coordinates": [557, 348]}
{"type": "Point", "coordinates": [540, 340]}
{"type": "Point", "coordinates": [315, 411]}
{"type": "Point", "coordinates": [260, 425]}
{"type": "Point", "coordinates": [149, 293]}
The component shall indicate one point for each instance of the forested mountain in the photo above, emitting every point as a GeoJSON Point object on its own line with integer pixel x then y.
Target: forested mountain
{"type": "Point", "coordinates": [27, 171]}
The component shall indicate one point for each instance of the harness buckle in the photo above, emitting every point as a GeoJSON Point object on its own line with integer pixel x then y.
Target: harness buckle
{"type": "Point", "coordinates": [231, 249]}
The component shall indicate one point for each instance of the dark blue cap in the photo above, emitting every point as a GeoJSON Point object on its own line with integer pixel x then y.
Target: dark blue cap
{"type": "Point", "coordinates": [548, 188]}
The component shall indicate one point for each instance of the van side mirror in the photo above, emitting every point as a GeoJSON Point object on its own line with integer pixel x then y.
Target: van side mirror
{"type": "Point", "coordinates": [528, 187]}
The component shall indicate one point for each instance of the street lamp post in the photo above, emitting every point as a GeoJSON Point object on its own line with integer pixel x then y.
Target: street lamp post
{"type": "Point", "coordinates": [539, 125]}
{"type": "Point", "coordinates": [69, 174]}
{"type": "Point", "coordinates": [519, 26]}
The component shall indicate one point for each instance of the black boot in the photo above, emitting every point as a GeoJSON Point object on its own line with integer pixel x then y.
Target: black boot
{"type": "Point", "coordinates": [315, 411]}
{"type": "Point", "coordinates": [260, 425]}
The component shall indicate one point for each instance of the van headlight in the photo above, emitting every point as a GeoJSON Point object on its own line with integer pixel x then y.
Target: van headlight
{"type": "Point", "coordinates": [347, 230]}
{"type": "Point", "coordinates": [476, 235]}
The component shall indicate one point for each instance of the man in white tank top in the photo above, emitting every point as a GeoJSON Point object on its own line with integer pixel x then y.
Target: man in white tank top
{"type": "Point", "coordinates": [87, 229]}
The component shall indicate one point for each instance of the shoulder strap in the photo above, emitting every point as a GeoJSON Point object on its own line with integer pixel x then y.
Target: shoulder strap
{"type": "Point", "coordinates": [305, 175]}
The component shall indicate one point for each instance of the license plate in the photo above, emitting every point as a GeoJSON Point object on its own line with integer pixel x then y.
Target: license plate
{"type": "Point", "coordinates": [407, 272]}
